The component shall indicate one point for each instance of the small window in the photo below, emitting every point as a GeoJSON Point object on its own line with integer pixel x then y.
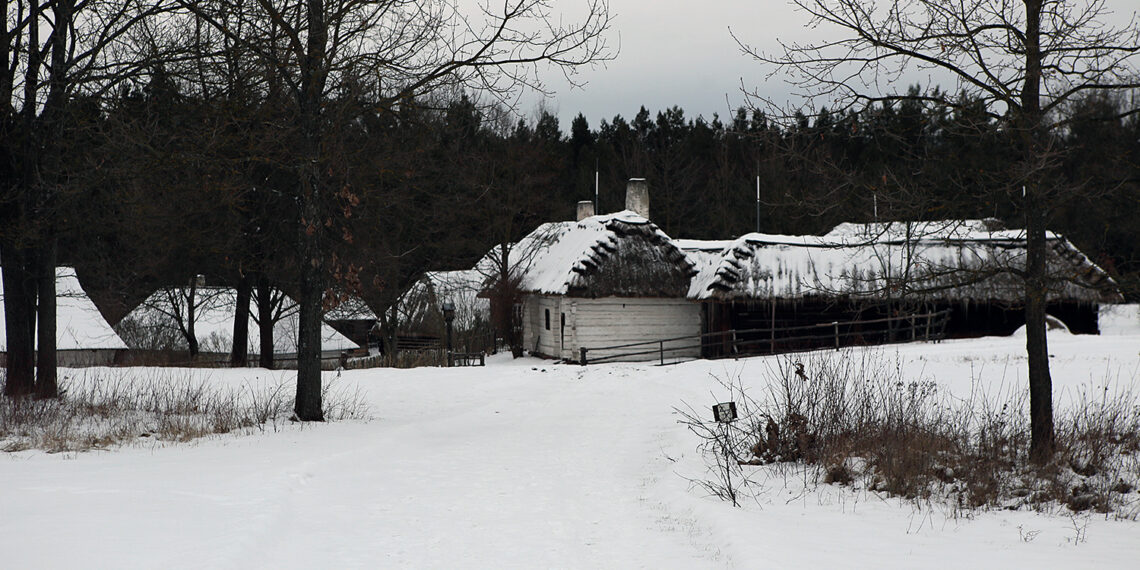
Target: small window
{"type": "Point", "coordinates": [547, 319]}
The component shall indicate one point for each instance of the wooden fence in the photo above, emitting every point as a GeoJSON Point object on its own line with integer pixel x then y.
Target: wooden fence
{"type": "Point", "coordinates": [731, 343]}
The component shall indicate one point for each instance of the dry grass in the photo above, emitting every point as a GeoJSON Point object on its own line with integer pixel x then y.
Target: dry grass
{"type": "Point", "coordinates": [855, 420]}
{"type": "Point", "coordinates": [101, 408]}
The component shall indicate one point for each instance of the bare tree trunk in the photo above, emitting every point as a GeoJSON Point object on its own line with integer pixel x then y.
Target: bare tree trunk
{"type": "Point", "coordinates": [191, 309]}
{"type": "Point", "coordinates": [387, 338]}
{"type": "Point", "coordinates": [47, 385]}
{"type": "Point", "coordinates": [239, 353]}
{"type": "Point", "coordinates": [308, 405]}
{"type": "Point", "coordinates": [1041, 445]}
{"type": "Point", "coordinates": [20, 277]}
{"type": "Point", "coordinates": [503, 305]}
{"type": "Point", "coordinates": [265, 322]}
{"type": "Point", "coordinates": [20, 323]}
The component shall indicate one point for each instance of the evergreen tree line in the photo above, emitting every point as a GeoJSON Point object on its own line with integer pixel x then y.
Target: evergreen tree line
{"type": "Point", "coordinates": [170, 182]}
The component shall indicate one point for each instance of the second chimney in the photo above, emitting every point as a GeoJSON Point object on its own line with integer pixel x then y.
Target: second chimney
{"type": "Point", "coordinates": [637, 197]}
{"type": "Point", "coordinates": [585, 209]}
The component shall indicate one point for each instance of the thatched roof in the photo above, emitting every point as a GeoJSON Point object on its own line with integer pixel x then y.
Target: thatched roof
{"type": "Point", "coordinates": [971, 260]}
{"type": "Point", "coordinates": [620, 254]}
{"type": "Point", "coordinates": [79, 325]}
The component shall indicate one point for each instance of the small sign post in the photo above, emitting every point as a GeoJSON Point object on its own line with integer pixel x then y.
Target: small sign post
{"type": "Point", "coordinates": [725, 412]}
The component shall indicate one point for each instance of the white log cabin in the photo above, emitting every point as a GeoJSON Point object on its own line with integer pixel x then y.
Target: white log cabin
{"type": "Point", "coordinates": [606, 280]}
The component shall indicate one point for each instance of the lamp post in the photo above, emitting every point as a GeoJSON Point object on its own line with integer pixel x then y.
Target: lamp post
{"type": "Point", "coordinates": [448, 309]}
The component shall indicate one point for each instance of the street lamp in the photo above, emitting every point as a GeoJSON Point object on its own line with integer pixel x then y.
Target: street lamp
{"type": "Point", "coordinates": [448, 309]}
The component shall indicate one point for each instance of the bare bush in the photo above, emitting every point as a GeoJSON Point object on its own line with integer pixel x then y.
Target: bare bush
{"type": "Point", "coordinates": [722, 444]}
{"type": "Point", "coordinates": [102, 408]}
{"type": "Point", "coordinates": [853, 418]}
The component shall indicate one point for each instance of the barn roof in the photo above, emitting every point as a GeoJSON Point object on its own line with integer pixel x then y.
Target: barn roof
{"type": "Point", "coordinates": [948, 260]}
{"type": "Point", "coordinates": [620, 254]}
{"type": "Point", "coordinates": [79, 325]}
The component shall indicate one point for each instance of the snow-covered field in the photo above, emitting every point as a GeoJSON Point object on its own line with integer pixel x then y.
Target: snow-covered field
{"type": "Point", "coordinates": [531, 464]}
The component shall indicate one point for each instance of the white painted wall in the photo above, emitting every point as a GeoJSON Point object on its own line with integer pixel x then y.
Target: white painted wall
{"type": "Point", "coordinates": [536, 337]}
{"type": "Point", "coordinates": [595, 323]}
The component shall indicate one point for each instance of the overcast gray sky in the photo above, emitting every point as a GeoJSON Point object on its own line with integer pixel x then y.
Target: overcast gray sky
{"type": "Point", "coordinates": [680, 52]}
{"type": "Point", "coordinates": [673, 52]}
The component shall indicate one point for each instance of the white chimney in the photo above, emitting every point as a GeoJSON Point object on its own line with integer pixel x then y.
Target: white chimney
{"type": "Point", "coordinates": [637, 197]}
{"type": "Point", "coordinates": [585, 209]}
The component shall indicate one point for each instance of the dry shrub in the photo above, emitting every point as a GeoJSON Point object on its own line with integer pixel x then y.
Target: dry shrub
{"type": "Point", "coordinates": [103, 408]}
{"type": "Point", "coordinates": [854, 417]}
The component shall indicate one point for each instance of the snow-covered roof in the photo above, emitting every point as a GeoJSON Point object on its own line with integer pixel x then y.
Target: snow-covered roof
{"type": "Point", "coordinates": [213, 325]}
{"type": "Point", "coordinates": [350, 308]}
{"type": "Point", "coordinates": [987, 229]}
{"type": "Point", "coordinates": [620, 254]}
{"type": "Point", "coordinates": [79, 325]}
{"type": "Point", "coordinates": [958, 259]}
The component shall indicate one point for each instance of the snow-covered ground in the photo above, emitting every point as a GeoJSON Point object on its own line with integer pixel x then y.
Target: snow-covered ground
{"type": "Point", "coordinates": [530, 464]}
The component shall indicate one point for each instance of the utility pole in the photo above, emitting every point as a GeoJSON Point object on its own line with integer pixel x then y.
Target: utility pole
{"type": "Point", "coordinates": [597, 207]}
{"type": "Point", "coordinates": [757, 203]}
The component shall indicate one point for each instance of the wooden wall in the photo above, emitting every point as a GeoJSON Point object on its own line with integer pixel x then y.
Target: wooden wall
{"type": "Point", "coordinates": [595, 323]}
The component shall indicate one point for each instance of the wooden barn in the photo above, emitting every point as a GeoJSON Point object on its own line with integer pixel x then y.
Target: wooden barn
{"type": "Point", "coordinates": [602, 281]}
{"type": "Point", "coordinates": [897, 279]}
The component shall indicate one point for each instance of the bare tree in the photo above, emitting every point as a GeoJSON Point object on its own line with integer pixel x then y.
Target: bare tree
{"type": "Point", "coordinates": [176, 311]}
{"type": "Point", "coordinates": [273, 306]}
{"type": "Point", "coordinates": [1021, 59]}
{"type": "Point", "coordinates": [391, 51]}
{"type": "Point", "coordinates": [52, 52]}
{"type": "Point", "coordinates": [183, 306]}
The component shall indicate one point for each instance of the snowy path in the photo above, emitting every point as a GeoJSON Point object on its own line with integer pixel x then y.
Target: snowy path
{"type": "Point", "coordinates": [529, 469]}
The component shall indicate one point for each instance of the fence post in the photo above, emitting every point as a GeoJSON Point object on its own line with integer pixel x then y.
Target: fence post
{"type": "Point", "coordinates": [583, 350]}
{"type": "Point", "coordinates": [836, 323]}
{"type": "Point", "coordinates": [772, 329]}
{"type": "Point", "coordinates": [661, 348]}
